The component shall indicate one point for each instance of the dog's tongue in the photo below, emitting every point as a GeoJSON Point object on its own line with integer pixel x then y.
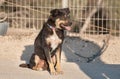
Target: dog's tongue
{"type": "Point", "coordinates": [68, 28]}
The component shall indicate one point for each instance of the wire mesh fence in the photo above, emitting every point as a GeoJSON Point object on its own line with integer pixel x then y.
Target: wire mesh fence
{"type": "Point", "coordinates": [88, 16]}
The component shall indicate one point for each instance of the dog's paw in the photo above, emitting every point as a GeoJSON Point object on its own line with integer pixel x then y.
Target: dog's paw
{"type": "Point", "coordinates": [59, 72]}
{"type": "Point", "coordinates": [35, 68]}
{"type": "Point", "coordinates": [53, 73]}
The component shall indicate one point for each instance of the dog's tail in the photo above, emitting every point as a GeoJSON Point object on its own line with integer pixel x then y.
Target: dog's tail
{"type": "Point", "coordinates": [24, 65]}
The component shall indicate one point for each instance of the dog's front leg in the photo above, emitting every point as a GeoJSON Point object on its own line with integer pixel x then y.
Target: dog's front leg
{"type": "Point", "coordinates": [58, 59]}
{"type": "Point", "coordinates": [50, 62]}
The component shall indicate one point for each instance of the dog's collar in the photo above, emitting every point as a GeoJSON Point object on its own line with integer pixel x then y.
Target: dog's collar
{"type": "Point", "coordinates": [51, 27]}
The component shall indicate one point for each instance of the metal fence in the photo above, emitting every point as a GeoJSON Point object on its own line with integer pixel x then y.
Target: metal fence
{"type": "Point", "coordinates": [89, 16]}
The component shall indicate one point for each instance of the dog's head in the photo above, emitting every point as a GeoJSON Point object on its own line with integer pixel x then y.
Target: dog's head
{"type": "Point", "coordinates": [61, 18]}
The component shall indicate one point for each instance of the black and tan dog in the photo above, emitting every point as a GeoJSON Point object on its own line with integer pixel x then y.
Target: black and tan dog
{"type": "Point", "coordinates": [47, 45]}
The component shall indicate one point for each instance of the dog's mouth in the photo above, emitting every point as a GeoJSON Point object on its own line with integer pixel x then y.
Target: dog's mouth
{"type": "Point", "coordinates": [66, 27]}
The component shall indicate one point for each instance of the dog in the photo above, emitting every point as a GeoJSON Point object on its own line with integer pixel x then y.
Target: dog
{"type": "Point", "coordinates": [48, 43]}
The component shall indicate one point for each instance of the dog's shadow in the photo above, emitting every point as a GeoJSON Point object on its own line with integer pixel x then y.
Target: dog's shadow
{"type": "Point", "coordinates": [29, 49]}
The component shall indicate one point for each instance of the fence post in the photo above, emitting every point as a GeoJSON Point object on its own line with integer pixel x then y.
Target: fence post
{"type": "Point", "coordinates": [64, 3]}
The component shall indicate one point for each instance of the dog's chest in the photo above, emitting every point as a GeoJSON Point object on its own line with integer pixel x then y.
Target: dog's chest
{"type": "Point", "coordinates": [53, 40]}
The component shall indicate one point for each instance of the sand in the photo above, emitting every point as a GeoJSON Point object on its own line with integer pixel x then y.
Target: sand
{"type": "Point", "coordinates": [17, 46]}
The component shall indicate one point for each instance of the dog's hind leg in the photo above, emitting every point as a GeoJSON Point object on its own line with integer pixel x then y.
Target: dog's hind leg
{"type": "Point", "coordinates": [34, 61]}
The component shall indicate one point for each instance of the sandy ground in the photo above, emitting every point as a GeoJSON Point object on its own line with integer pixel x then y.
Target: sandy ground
{"type": "Point", "coordinates": [17, 46]}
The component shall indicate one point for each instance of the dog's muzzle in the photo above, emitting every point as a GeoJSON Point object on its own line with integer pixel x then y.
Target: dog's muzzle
{"type": "Point", "coordinates": [66, 26]}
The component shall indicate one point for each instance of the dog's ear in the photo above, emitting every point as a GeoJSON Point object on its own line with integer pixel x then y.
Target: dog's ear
{"type": "Point", "coordinates": [54, 12]}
